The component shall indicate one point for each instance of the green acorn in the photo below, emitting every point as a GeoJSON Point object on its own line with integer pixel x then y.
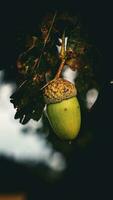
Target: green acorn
{"type": "Point", "coordinates": [63, 110]}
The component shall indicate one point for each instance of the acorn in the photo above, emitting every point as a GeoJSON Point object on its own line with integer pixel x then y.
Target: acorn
{"type": "Point", "coordinates": [63, 109]}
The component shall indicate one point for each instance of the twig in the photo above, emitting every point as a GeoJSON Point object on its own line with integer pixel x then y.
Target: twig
{"type": "Point", "coordinates": [45, 42]}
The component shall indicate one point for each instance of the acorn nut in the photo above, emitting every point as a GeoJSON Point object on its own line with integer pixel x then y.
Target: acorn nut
{"type": "Point", "coordinates": [63, 110]}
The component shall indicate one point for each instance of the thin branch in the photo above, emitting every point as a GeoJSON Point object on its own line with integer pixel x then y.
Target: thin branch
{"type": "Point", "coordinates": [46, 40]}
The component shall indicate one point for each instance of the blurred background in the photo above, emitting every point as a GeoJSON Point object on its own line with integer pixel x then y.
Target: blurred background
{"type": "Point", "coordinates": [32, 162]}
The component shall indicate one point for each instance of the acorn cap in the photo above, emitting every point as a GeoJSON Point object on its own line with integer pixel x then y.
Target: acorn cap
{"type": "Point", "coordinates": [59, 89]}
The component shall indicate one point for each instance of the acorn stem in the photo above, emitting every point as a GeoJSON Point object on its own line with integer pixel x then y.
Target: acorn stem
{"type": "Point", "coordinates": [60, 69]}
{"type": "Point", "coordinates": [62, 56]}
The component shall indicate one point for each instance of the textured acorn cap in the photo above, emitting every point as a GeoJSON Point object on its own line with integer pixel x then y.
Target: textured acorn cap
{"type": "Point", "coordinates": [58, 90]}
